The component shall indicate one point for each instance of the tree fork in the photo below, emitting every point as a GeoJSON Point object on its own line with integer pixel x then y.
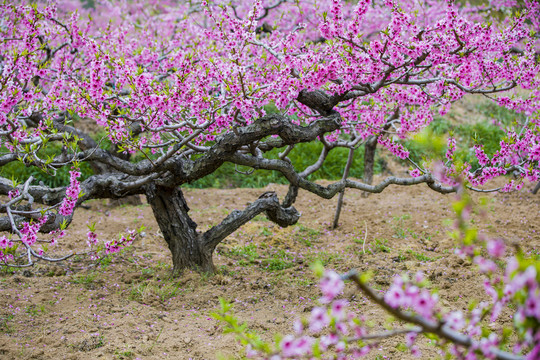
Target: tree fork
{"type": "Point", "coordinates": [193, 250]}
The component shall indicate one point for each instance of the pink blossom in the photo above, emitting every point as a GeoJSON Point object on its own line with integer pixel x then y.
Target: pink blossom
{"type": "Point", "coordinates": [424, 303]}
{"type": "Point", "coordinates": [331, 285]}
{"type": "Point", "coordinates": [92, 238]}
{"type": "Point", "coordinates": [319, 319]}
{"type": "Point", "coordinates": [415, 351]}
{"type": "Point", "coordinates": [496, 248]}
{"type": "Point", "coordinates": [415, 173]}
{"type": "Point", "coordinates": [288, 348]}
{"type": "Point", "coordinates": [394, 296]}
{"type": "Point", "coordinates": [5, 243]}
{"type": "Point", "coordinates": [339, 309]}
{"type": "Point", "coordinates": [451, 149]}
{"type": "Point", "coordinates": [410, 338]}
{"type": "Point", "coordinates": [72, 194]}
{"type": "Point", "coordinates": [455, 320]}
{"type": "Point", "coordinates": [250, 353]}
{"type": "Point", "coordinates": [532, 305]}
{"type": "Point", "coordinates": [329, 340]}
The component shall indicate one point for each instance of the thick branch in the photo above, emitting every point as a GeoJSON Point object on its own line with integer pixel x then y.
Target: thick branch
{"type": "Point", "coordinates": [54, 221]}
{"type": "Point", "coordinates": [329, 191]}
{"type": "Point", "coordinates": [319, 101]}
{"type": "Point", "coordinates": [268, 203]}
{"type": "Point", "coordinates": [183, 170]}
{"type": "Point", "coordinates": [103, 186]}
{"type": "Point", "coordinates": [41, 194]}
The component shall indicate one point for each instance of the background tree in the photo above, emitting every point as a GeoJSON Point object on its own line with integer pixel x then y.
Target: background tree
{"type": "Point", "coordinates": [184, 88]}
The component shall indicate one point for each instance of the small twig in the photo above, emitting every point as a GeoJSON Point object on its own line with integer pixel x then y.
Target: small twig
{"type": "Point", "coordinates": [365, 237]}
{"type": "Point", "coordinates": [157, 338]}
{"type": "Point", "coordinates": [385, 334]}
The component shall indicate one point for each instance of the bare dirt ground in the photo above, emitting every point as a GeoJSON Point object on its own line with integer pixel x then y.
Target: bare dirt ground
{"type": "Point", "coordinates": [128, 307]}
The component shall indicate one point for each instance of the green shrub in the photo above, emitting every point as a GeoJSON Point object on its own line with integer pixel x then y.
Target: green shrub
{"type": "Point", "coordinates": [466, 135]}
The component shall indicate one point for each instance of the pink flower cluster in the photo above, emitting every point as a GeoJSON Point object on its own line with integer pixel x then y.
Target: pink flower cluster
{"type": "Point", "coordinates": [72, 194]}
{"type": "Point", "coordinates": [13, 193]}
{"type": "Point", "coordinates": [415, 173]}
{"type": "Point", "coordinates": [92, 238]}
{"type": "Point", "coordinates": [56, 235]}
{"type": "Point", "coordinates": [208, 78]}
{"type": "Point", "coordinates": [30, 230]}
{"type": "Point", "coordinates": [5, 242]}
{"type": "Point", "coordinates": [395, 148]}
{"type": "Point", "coordinates": [483, 160]}
{"type": "Point", "coordinates": [333, 329]}
{"type": "Point", "coordinates": [115, 246]}
{"type": "Point", "coordinates": [408, 295]}
{"type": "Point", "coordinates": [330, 328]}
{"type": "Point", "coordinates": [4, 257]}
{"type": "Point", "coordinates": [451, 149]}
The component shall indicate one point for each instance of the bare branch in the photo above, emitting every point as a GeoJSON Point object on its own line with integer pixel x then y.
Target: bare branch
{"type": "Point", "coordinates": [329, 191]}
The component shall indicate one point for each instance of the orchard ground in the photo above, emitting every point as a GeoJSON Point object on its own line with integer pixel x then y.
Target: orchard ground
{"type": "Point", "coordinates": [128, 307]}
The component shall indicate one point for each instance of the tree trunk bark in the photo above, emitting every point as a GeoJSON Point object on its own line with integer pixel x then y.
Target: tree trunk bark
{"type": "Point", "coordinates": [342, 192]}
{"type": "Point", "coordinates": [179, 230]}
{"type": "Point", "coordinates": [369, 162]}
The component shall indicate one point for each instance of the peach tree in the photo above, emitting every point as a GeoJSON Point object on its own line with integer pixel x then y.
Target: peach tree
{"type": "Point", "coordinates": [154, 95]}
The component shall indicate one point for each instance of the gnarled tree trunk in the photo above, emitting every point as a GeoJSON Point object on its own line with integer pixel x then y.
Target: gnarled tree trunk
{"type": "Point", "coordinates": [192, 249]}
{"type": "Point", "coordinates": [179, 230]}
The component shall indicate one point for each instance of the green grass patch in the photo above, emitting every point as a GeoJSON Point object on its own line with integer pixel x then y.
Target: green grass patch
{"type": "Point", "coordinates": [86, 280]}
{"type": "Point", "coordinates": [124, 355]}
{"type": "Point", "coordinates": [400, 257]}
{"type": "Point", "coordinates": [279, 260]}
{"type": "Point", "coordinates": [163, 291]}
{"type": "Point", "coordinates": [421, 257]}
{"type": "Point", "coordinates": [246, 254]}
{"type": "Point", "coordinates": [399, 226]}
{"type": "Point", "coordinates": [307, 235]}
{"type": "Point", "coordinates": [35, 310]}
{"type": "Point", "coordinates": [381, 245]}
{"type": "Point", "coordinates": [402, 347]}
{"type": "Point", "coordinates": [325, 258]}
{"type": "Point", "coordinates": [5, 327]}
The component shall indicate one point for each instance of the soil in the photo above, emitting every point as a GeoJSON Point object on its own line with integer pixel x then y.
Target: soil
{"type": "Point", "coordinates": [127, 306]}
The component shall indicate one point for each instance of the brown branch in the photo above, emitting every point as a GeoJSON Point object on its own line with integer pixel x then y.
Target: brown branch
{"type": "Point", "coordinates": [329, 191]}
{"type": "Point", "coordinates": [268, 203]}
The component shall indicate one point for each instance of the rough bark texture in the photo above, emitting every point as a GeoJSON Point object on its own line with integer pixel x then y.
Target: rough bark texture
{"type": "Point", "coordinates": [369, 162]}
{"type": "Point", "coordinates": [179, 231]}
